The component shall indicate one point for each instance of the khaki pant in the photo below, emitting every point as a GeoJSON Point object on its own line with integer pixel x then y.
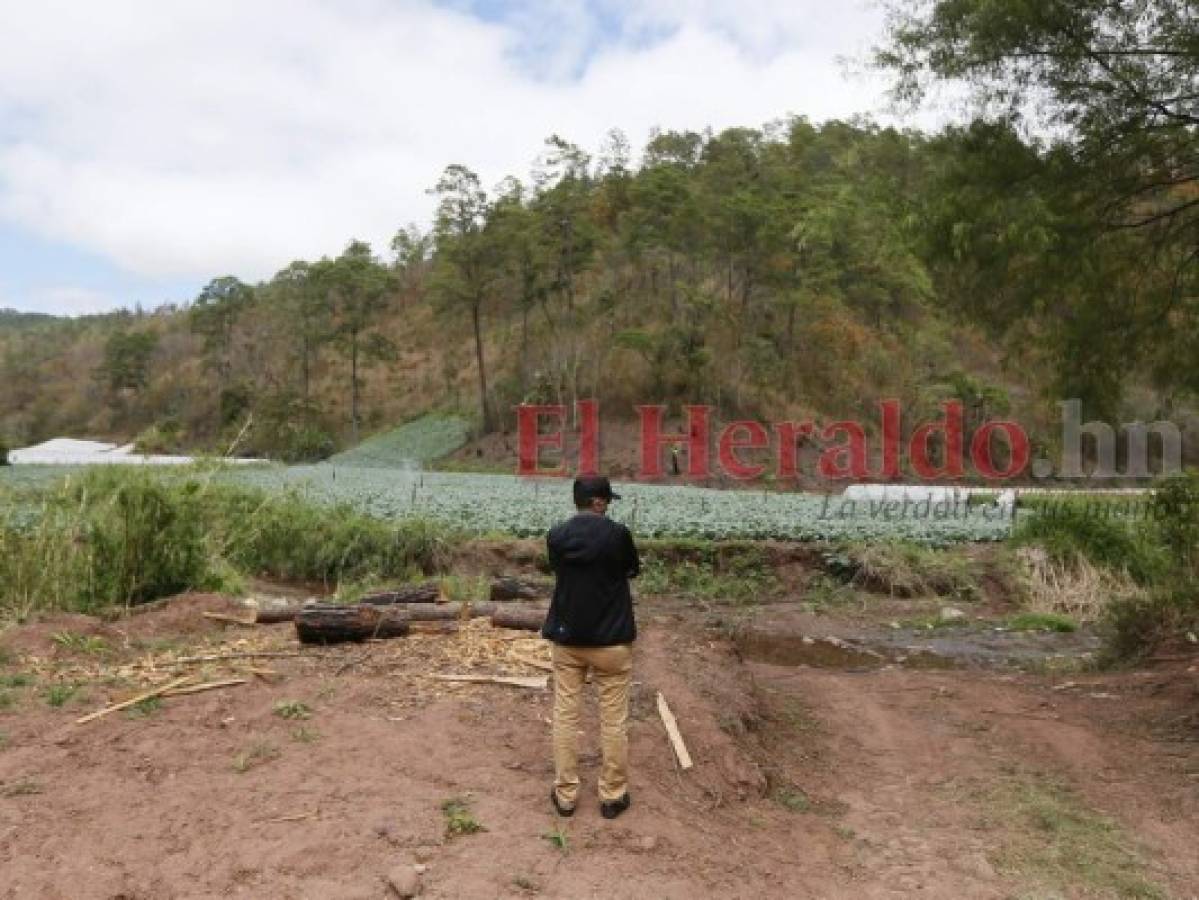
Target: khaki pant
{"type": "Point", "coordinates": [612, 667]}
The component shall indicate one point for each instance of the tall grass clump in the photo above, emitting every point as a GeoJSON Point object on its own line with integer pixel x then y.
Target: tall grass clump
{"type": "Point", "coordinates": [108, 537]}
{"type": "Point", "coordinates": [285, 536]}
{"type": "Point", "coordinates": [1071, 532]}
{"type": "Point", "coordinates": [1139, 573]}
{"type": "Point", "coordinates": [117, 536]}
{"type": "Point", "coordinates": [1138, 626]}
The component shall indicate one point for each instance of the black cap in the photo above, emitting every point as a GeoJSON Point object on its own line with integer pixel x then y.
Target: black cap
{"type": "Point", "coordinates": [589, 486]}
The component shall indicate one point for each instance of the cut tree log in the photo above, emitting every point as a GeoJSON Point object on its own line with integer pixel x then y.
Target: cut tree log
{"type": "Point", "coordinates": [426, 592]}
{"type": "Point", "coordinates": [332, 624]}
{"type": "Point", "coordinates": [272, 615]}
{"type": "Point", "coordinates": [443, 612]}
{"type": "Point", "coordinates": [672, 731]}
{"type": "Point", "coordinates": [506, 589]}
{"type": "Point", "coordinates": [522, 619]}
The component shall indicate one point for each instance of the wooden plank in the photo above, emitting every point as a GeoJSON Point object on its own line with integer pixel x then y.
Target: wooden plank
{"type": "Point", "coordinates": [672, 730]}
{"type": "Point", "coordinates": [533, 682]}
{"type": "Point", "coordinates": [133, 701]}
{"type": "Point", "coordinates": [206, 686]}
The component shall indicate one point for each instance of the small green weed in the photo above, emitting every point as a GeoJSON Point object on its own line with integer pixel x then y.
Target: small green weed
{"type": "Point", "coordinates": [80, 643]}
{"type": "Point", "coordinates": [144, 708]}
{"type": "Point", "coordinates": [459, 819]}
{"type": "Point", "coordinates": [1031, 621]}
{"type": "Point", "coordinates": [23, 787]}
{"type": "Point", "coordinates": [305, 734]}
{"type": "Point", "coordinates": [293, 710]}
{"type": "Point", "coordinates": [255, 755]}
{"type": "Point", "coordinates": [792, 799]}
{"type": "Point", "coordinates": [58, 694]}
{"type": "Point", "coordinates": [558, 839]}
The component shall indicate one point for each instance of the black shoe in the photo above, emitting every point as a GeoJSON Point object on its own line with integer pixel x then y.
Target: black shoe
{"type": "Point", "coordinates": [564, 811]}
{"type": "Point", "coordinates": [612, 808]}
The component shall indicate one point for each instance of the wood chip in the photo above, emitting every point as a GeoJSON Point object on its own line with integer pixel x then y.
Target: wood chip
{"type": "Point", "coordinates": [672, 730]}
{"type": "Point", "coordinates": [535, 663]}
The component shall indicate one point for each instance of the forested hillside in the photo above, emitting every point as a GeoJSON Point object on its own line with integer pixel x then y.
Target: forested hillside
{"type": "Point", "coordinates": [791, 270]}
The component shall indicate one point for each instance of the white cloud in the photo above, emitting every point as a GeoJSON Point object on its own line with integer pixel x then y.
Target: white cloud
{"type": "Point", "coordinates": [199, 137]}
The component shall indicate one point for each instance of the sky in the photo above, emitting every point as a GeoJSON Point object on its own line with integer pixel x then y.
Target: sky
{"type": "Point", "coordinates": [148, 146]}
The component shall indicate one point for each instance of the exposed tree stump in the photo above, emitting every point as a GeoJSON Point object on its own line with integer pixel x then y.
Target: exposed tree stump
{"type": "Point", "coordinates": [505, 589]}
{"type": "Point", "coordinates": [332, 624]}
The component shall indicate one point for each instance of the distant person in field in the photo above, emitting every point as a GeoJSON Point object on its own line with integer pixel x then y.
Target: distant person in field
{"type": "Point", "coordinates": [591, 625]}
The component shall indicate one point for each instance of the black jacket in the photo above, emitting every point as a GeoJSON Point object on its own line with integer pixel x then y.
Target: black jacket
{"type": "Point", "coordinates": [594, 558]}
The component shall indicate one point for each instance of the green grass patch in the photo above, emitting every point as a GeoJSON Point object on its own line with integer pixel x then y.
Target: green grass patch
{"type": "Point", "coordinates": [420, 441]}
{"type": "Point", "coordinates": [143, 709]}
{"type": "Point", "coordinates": [58, 694]}
{"type": "Point", "coordinates": [293, 710]}
{"type": "Point", "coordinates": [1042, 832]}
{"type": "Point", "coordinates": [255, 755]}
{"type": "Point", "coordinates": [125, 535]}
{"type": "Point", "coordinates": [558, 839]}
{"type": "Point", "coordinates": [1032, 621]}
{"type": "Point", "coordinates": [825, 593]}
{"type": "Point", "coordinates": [22, 787]}
{"type": "Point", "coordinates": [713, 573]}
{"type": "Point", "coordinates": [791, 799]}
{"type": "Point", "coordinates": [906, 569]}
{"type": "Point", "coordinates": [305, 734]}
{"type": "Point", "coordinates": [459, 819]}
{"type": "Point", "coordinates": [1072, 532]}
{"type": "Point", "coordinates": [80, 643]}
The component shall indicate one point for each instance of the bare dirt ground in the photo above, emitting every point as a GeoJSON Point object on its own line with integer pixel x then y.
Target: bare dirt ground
{"type": "Point", "coordinates": [325, 775]}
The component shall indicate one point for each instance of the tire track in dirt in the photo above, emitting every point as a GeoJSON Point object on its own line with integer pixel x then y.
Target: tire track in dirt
{"type": "Point", "coordinates": [915, 755]}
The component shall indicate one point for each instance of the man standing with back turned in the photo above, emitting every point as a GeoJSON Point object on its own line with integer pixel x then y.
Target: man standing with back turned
{"type": "Point", "coordinates": [591, 625]}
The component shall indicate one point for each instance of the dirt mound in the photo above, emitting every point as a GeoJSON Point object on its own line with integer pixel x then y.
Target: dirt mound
{"type": "Point", "coordinates": [64, 635]}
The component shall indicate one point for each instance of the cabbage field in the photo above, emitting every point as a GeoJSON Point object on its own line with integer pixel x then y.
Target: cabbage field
{"type": "Point", "coordinates": [504, 504]}
{"type": "Point", "coordinates": [509, 505]}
